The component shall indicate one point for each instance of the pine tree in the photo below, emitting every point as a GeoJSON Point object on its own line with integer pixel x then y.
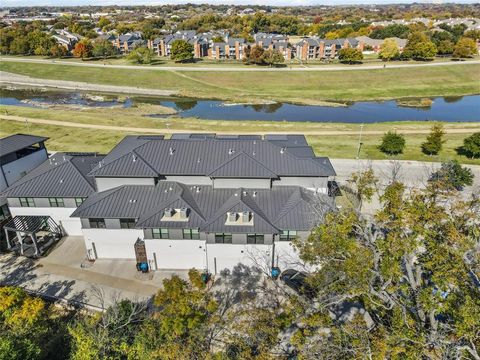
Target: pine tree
{"type": "Point", "coordinates": [434, 141]}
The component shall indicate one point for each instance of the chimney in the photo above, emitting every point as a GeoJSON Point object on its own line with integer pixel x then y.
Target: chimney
{"type": "Point", "coordinates": [245, 217]}
{"type": "Point", "coordinates": [231, 216]}
{"type": "Point", "coordinates": [168, 213]}
{"type": "Point", "coordinates": [183, 213]}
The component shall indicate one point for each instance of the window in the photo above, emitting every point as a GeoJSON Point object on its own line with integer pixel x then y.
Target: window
{"type": "Point", "coordinates": [191, 234]}
{"type": "Point", "coordinates": [255, 239]}
{"type": "Point", "coordinates": [288, 235]}
{"type": "Point", "coordinates": [223, 238]}
{"type": "Point", "coordinates": [97, 223]}
{"type": "Point", "coordinates": [127, 223]}
{"type": "Point", "coordinates": [27, 202]}
{"type": "Point", "coordinates": [79, 201]}
{"type": "Point", "coordinates": [56, 202]}
{"type": "Point", "coordinates": [160, 233]}
{"type": "Point", "coordinates": [4, 212]}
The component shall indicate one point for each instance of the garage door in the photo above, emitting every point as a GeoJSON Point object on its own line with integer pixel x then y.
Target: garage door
{"type": "Point", "coordinates": [114, 248]}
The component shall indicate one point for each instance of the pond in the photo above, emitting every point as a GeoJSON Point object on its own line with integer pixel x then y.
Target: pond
{"type": "Point", "coordinates": [466, 108]}
{"type": "Point", "coordinates": [450, 109]}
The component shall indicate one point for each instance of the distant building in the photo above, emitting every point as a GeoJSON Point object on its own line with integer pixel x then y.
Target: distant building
{"type": "Point", "coordinates": [314, 48]}
{"type": "Point", "coordinates": [376, 44]}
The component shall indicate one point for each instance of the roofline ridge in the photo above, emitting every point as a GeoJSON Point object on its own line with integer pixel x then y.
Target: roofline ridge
{"type": "Point", "coordinates": [83, 176]}
{"type": "Point", "coordinates": [240, 153]}
{"type": "Point", "coordinates": [143, 160]}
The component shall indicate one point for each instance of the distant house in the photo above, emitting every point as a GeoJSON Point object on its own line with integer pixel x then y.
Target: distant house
{"type": "Point", "coordinates": [125, 43]}
{"type": "Point", "coordinates": [274, 42]}
{"type": "Point", "coordinates": [66, 39]}
{"type": "Point", "coordinates": [376, 44]}
{"type": "Point", "coordinates": [314, 48]}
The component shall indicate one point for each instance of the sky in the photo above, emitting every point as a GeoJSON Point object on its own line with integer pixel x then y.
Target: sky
{"type": "Point", "coordinates": [6, 3]}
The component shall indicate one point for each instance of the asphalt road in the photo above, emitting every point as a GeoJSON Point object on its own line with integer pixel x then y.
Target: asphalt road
{"type": "Point", "coordinates": [240, 68]}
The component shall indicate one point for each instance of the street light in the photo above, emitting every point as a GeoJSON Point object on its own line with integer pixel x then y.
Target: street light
{"type": "Point", "coordinates": [360, 141]}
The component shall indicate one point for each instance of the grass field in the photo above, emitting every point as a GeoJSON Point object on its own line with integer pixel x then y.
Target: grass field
{"type": "Point", "coordinates": [301, 87]}
{"type": "Point", "coordinates": [335, 146]}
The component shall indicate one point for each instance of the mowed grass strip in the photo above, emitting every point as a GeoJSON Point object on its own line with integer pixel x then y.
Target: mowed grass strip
{"type": "Point", "coordinates": [305, 87]}
{"type": "Point", "coordinates": [338, 146]}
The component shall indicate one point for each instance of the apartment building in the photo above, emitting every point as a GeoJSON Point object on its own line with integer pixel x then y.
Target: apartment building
{"type": "Point", "coordinates": [125, 43]}
{"type": "Point", "coordinates": [193, 201]}
{"type": "Point", "coordinates": [274, 42]}
{"type": "Point", "coordinates": [66, 38]}
{"type": "Point", "coordinates": [314, 48]}
{"type": "Point", "coordinates": [375, 45]}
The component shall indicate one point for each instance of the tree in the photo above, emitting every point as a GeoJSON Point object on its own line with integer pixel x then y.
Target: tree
{"type": "Point", "coordinates": [389, 50]}
{"type": "Point", "coordinates": [103, 22]}
{"type": "Point", "coordinates": [272, 57]}
{"type": "Point", "coordinates": [83, 49]}
{"type": "Point", "coordinates": [411, 270]}
{"type": "Point", "coordinates": [58, 51]}
{"type": "Point", "coordinates": [254, 55]}
{"type": "Point", "coordinates": [445, 47]}
{"type": "Point", "coordinates": [452, 176]}
{"type": "Point", "coordinates": [434, 141]}
{"type": "Point", "coordinates": [419, 47]}
{"type": "Point", "coordinates": [350, 55]}
{"type": "Point", "coordinates": [364, 183]}
{"type": "Point", "coordinates": [103, 48]}
{"type": "Point", "coordinates": [471, 145]}
{"type": "Point", "coordinates": [465, 47]}
{"type": "Point", "coordinates": [392, 143]}
{"type": "Point", "coordinates": [141, 55]}
{"type": "Point", "coordinates": [181, 51]}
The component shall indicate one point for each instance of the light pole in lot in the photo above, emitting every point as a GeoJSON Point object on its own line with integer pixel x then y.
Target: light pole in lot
{"type": "Point", "coordinates": [360, 141]}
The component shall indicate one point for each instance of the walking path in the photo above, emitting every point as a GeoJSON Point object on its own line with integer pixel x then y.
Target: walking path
{"type": "Point", "coordinates": [239, 68]}
{"type": "Point", "coordinates": [15, 79]}
{"type": "Point", "coordinates": [475, 127]}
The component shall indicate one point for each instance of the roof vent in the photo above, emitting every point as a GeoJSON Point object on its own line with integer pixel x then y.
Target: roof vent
{"type": "Point", "coordinates": [254, 194]}
{"type": "Point", "coordinates": [198, 189]}
{"type": "Point", "coordinates": [198, 160]}
{"type": "Point", "coordinates": [168, 213]}
{"type": "Point", "coordinates": [253, 153]}
{"type": "Point", "coordinates": [230, 151]}
{"type": "Point", "coordinates": [244, 193]}
{"type": "Point", "coordinates": [61, 181]}
{"type": "Point", "coordinates": [134, 158]}
{"type": "Point", "coordinates": [282, 150]}
{"type": "Point", "coordinates": [171, 151]}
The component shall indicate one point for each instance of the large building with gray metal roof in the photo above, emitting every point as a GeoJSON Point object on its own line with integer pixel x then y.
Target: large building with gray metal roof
{"type": "Point", "coordinates": [202, 201]}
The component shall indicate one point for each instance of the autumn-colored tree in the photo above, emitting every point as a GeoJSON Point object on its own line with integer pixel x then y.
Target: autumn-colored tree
{"type": "Point", "coordinates": [389, 50]}
{"type": "Point", "coordinates": [83, 49]}
{"type": "Point", "coordinates": [433, 143]}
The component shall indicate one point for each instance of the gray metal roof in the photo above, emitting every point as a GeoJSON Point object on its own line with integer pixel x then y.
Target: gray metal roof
{"type": "Point", "coordinates": [203, 155]}
{"type": "Point", "coordinates": [17, 142]}
{"type": "Point", "coordinates": [62, 175]}
{"type": "Point", "coordinates": [279, 208]}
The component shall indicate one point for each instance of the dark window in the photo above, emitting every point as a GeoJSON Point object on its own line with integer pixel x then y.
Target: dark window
{"type": "Point", "coordinates": [127, 223]}
{"type": "Point", "coordinates": [223, 238]}
{"type": "Point", "coordinates": [255, 239]}
{"type": "Point", "coordinates": [79, 201]}
{"type": "Point", "coordinates": [191, 234]}
{"type": "Point", "coordinates": [4, 212]}
{"type": "Point", "coordinates": [27, 202]}
{"type": "Point", "coordinates": [160, 233]}
{"type": "Point", "coordinates": [56, 202]}
{"type": "Point", "coordinates": [288, 235]}
{"type": "Point", "coordinates": [97, 223]}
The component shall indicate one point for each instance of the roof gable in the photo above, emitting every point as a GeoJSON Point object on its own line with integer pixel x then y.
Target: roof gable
{"type": "Point", "coordinates": [242, 165]}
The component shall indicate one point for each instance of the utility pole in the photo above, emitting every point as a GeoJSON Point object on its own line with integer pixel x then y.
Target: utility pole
{"type": "Point", "coordinates": [360, 141]}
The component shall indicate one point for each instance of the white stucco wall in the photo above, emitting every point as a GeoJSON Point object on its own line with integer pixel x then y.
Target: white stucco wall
{"type": "Point", "coordinates": [286, 257]}
{"type": "Point", "coordinates": [245, 183]}
{"type": "Point", "coordinates": [105, 183]}
{"type": "Point", "coordinates": [175, 254]}
{"type": "Point", "coordinates": [190, 180]}
{"type": "Point", "coordinates": [307, 182]}
{"type": "Point", "coordinates": [13, 171]}
{"type": "Point", "coordinates": [61, 215]}
{"type": "Point", "coordinates": [112, 243]}
{"type": "Point", "coordinates": [227, 256]}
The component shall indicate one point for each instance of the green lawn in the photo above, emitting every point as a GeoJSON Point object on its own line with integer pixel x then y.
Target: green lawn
{"type": "Point", "coordinates": [302, 87]}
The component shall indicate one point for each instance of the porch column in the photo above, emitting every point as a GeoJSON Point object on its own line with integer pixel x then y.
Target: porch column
{"type": "Point", "coordinates": [8, 239]}
{"type": "Point", "coordinates": [20, 240]}
{"type": "Point", "coordinates": [34, 239]}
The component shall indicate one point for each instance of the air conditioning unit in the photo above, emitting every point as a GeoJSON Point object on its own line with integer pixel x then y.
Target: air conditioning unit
{"type": "Point", "coordinates": [183, 213]}
{"type": "Point", "coordinates": [168, 213]}
{"type": "Point", "coordinates": [245, 217]}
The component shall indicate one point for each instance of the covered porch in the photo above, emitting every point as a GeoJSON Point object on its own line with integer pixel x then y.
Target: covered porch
{"type": "Point", "coordinates": [31, 236]}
